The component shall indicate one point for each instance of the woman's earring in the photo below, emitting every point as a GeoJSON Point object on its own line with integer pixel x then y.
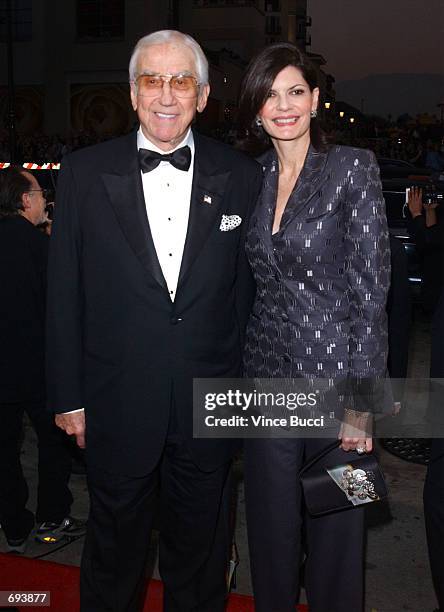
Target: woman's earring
{"type": "Point", "coordinates": [314, 113]}
{"type": "Point", "coordinates": [258, 122]}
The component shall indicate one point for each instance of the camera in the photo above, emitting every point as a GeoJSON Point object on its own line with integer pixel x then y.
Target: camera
{"type": "Point", "coordinates": [49, 209]}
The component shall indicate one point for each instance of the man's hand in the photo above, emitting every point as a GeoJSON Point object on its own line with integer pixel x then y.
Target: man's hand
{"type": "Point", "coordinates": [74, 425]}
{"type": "Point", "coordinates": [415, 201]}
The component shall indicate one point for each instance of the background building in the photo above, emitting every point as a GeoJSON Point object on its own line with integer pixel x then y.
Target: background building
{"type": "Point", "coordinates": [70, 58]}
{"type": "Point", "coordinates": [70, 61]}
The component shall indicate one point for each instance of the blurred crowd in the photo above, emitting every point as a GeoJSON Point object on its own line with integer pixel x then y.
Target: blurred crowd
{"type": "Point", "coordinates": [417, 145]}
{"type": "Point", "coordinates": [422, 154]}
{"type": "Point", "coordinates": [40, 147]}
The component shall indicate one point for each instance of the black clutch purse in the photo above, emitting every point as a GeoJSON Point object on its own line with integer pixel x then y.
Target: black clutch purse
{"type": "Point", "coordinates": [335, 480]}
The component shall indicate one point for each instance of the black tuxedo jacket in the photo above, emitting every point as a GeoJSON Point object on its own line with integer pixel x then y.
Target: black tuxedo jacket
{"type": "Point", "coordinates": [117, 345]}
{"type": "Point", "coordinates": [23, 261]}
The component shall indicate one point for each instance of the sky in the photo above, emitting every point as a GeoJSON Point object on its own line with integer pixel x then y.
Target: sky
{"type": "Point", "coordinates": [363, 37]}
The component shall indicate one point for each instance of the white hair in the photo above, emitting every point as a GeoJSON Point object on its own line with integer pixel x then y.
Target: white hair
{"type": "Point", "coordinates": [171, 36]}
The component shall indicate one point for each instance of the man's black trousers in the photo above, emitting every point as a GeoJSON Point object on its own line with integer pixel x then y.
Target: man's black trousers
{"type": "Point", "coordinates": [194, 536]}
{"type": "Point", "coordinates": [54, 467]}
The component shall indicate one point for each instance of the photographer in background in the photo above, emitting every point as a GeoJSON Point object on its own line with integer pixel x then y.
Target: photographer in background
{"type": "Point", "coordinates": [23, 262]}
{"type": "Point", "coordinates": [428, 230]}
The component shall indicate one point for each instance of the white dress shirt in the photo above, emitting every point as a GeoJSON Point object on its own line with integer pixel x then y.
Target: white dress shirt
{"type": "Point", "coordinates": [167, 193]}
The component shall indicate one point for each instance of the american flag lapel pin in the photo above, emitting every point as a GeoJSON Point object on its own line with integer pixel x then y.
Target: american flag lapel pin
{"type": "Point", "coordinates": [207, 199]}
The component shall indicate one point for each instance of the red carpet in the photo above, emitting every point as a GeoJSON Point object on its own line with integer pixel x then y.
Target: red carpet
{"type": "Point", "coordinates": [23, 574]}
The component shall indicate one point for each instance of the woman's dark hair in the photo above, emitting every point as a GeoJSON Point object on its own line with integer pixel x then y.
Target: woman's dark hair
{"type": "Point", "coordinates": [13, 184]}
{"type": "Point", "coordinates": [257, 82]}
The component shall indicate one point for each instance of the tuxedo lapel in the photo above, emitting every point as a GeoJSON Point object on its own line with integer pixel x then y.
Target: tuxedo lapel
{"type": "Point", "coordinates": [309, 183]}
{"type": "Point", "coordinates": [125, 192]}
{"type": "Point", "coordinates": [207, 194]}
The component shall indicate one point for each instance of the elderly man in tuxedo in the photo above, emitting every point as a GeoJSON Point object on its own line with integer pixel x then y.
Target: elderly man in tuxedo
{"type": "Point", "coordinates": [149, 288]}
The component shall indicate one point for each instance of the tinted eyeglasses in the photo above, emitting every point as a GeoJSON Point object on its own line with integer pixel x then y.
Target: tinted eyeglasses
{"type": "Point", "coordinates": [182, 85]}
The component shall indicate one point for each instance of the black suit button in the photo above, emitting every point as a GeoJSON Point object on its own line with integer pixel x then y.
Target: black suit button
{"type": "Point", "coordinates": [175, 320]}
{"type": "Point", "coordinates": [284, 316]}
{"type": "Point", "coordinates": [287, 358]}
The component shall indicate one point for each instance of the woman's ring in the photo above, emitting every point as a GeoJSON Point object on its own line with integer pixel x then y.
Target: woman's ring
{"type": "Point", "coordinates": [360, 450]}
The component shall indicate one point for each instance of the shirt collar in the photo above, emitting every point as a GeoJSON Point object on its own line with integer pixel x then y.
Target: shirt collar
{"type": "Point", "coordinates": [144, 143]}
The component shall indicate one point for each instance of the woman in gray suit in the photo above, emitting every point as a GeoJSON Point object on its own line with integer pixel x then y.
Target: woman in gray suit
{"type": "Point", "coordinates": [319, 249]}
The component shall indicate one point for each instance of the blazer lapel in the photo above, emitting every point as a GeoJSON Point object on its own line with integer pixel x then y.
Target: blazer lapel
{"type": "Point", "coordinates": [309, 183]}
{"type": "Point", "coordinates": [125, 191]}
{"type": "Point", "coordinates": [263, 215]}
{"type": "Point", "coordinates": [207, 194]}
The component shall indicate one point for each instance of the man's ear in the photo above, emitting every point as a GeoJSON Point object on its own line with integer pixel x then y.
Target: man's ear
{"type": "Point", "coordinates": [133, 94]}
{"type": "Point", "coordinates": [203, 98]}
{"type": "Point", "coordinates": [26, 201]}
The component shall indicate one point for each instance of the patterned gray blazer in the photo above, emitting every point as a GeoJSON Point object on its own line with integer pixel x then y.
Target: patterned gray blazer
{"type": "Point", "coordinates": [322, 279]}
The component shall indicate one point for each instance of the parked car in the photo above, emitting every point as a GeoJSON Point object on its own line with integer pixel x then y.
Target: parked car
{"type": "Point", "coordinates": [395, 195]}
{"type": "Point", "coordinates": [398, 168]}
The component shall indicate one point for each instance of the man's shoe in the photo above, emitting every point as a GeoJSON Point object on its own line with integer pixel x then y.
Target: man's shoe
{"type": "Point", "coordinates": [17, 545]}
{"type": "Point", "coordinates": [51, 533]}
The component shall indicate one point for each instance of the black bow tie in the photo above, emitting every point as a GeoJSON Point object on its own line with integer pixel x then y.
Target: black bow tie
{"type": "Point", "coordinates": [180, 159]}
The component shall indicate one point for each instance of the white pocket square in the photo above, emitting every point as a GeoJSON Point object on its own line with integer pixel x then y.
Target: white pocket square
{"type": "Point", "coordinates": [229, 222]}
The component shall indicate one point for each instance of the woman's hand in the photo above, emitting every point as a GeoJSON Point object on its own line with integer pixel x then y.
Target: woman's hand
{"type": "Point", "coordinates": [414, 201]}
{"type": "Point", "coordinates": [354, 432]}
